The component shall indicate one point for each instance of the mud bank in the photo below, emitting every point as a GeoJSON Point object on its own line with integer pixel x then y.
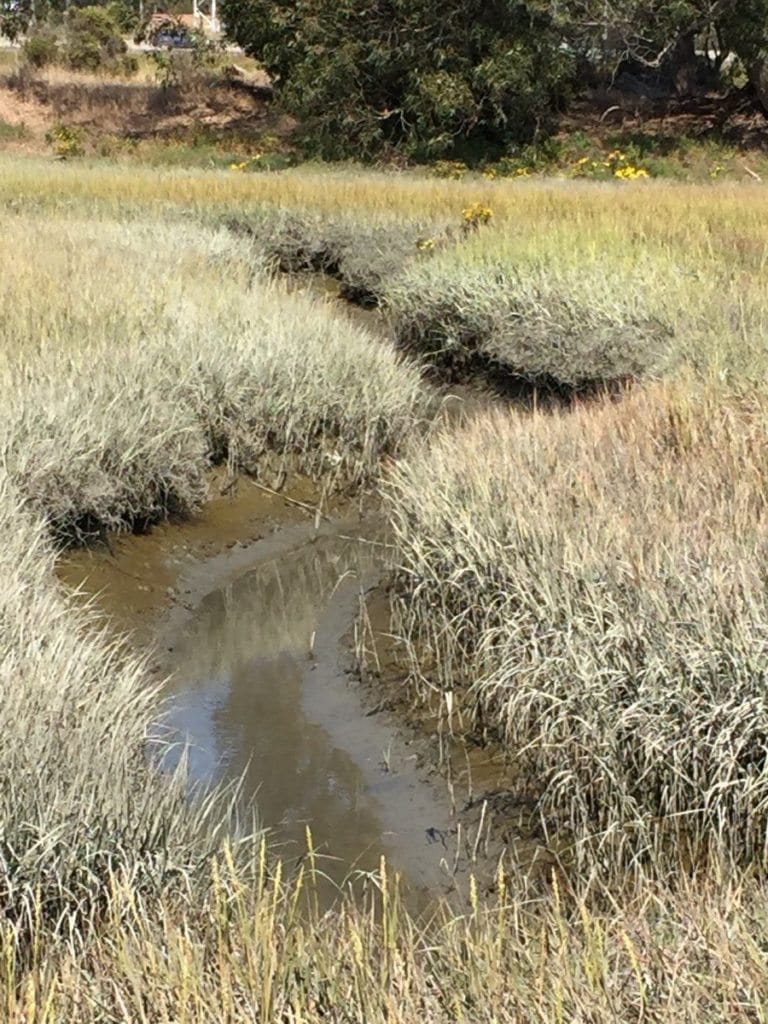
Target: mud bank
{"type": "Point", "coordinates": [489, 805]}
{"type": "Point", "coordinates": [248, 614]}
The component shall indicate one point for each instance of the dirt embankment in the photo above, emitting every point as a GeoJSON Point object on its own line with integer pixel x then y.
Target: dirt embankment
{"type": "Point", "coordinates": [737, 119]}
{"type": "Point", "coordinates": [228, 108]}
{"type": "Point", "coordinates": [232, 108]}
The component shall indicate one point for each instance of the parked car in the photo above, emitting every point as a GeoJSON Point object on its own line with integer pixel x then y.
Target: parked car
{"type": "Point", "coordinates": [173, 39]}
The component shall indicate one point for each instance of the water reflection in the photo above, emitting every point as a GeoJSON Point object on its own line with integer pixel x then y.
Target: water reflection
{"type": "Point", "coordinates": [240, 694]}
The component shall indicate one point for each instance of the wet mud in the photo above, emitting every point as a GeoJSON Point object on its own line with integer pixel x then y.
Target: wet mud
{"type": "Point", "coordinates": [134, 578]}
{"type": "Point", "coordinates": [247, 614]}
{"type": "Point", "coordinates": [496, 820]}
{"type": "Point", "coordinates": [262, 690]}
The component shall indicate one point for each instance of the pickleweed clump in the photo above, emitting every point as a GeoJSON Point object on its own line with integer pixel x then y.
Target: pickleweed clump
{"type": "Point", "coordinates": [475, 309]}
{"type": "Point", "coordinates": [361, 256]}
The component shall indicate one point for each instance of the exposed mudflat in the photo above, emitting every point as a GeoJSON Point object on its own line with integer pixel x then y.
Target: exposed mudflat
{"type": "Point", "coordinates": [134, 579]}
{"type": "Point", "coordinates": [261, 690]}
{"type": "Point", "coordinates": [249, 614]}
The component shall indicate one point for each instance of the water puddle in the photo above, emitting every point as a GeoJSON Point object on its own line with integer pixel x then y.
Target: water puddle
{"type": "Point", "coordinates": [260, 691]}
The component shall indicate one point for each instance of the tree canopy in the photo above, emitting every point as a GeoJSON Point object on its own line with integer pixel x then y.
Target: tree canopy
{"type": "Point", "coordinates": [432, 77]}
{"type": "Point", "coordinates": [365, 75]}
{"type": "Point", "coordinates": [444, 77]}
{"type": "Point", "coordinates": [17, 17]}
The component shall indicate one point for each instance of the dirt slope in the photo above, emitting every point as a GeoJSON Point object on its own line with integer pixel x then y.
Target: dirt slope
{"type": "Point", "coordinates": [219, 107]}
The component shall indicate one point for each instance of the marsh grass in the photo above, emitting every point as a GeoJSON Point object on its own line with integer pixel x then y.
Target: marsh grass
{"type": "Point", "coordinates": [79, 804]}
{"type": "Point", "coordinates": [577, 327]}
{"type": "Point", "coordinates": [588, 300]}
{"type": "Point", "coordinates": [363, 255]}
{"type": "Point", "coordinates": [594, 580]}
{"type": "Point", "coordinates": [137, 355]}
{"type": "Point", "coordinates": [587, 585]}
{"type": "Point", "coordinates": [629, 279]}
{"type": "Point", "coordinates": [700, 217]}
{"type": "Point", "coordinates": [253, 952]}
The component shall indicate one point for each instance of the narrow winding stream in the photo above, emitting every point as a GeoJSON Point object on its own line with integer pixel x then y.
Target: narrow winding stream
{"type": "Point", "coordinates": [260, 692]}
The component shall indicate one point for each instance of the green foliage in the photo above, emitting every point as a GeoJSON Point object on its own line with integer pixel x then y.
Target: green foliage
{"type": "Point", "coordinates": [124, 14]}
{"type": "Point", "coordinates": [178, 68]}
{"type": "Point", "coordinates": [664, 35]}
{"type": "Point", "coordinates": [15, 16]}
{"type": "Point", "coordinates": [65, 140]}
{"type": "Point", "coordinates": [93, 40]}
{"type": "Point", "coordinates": [11, 132]}
{"type": "Point", "coordinates": [41, 48]}
{"type": "Point", "coordinates": [463, 80]}
{"type": "Point", "coordinates": [429, 78]}
{"type": "Point", "coordinates": [166, 68]}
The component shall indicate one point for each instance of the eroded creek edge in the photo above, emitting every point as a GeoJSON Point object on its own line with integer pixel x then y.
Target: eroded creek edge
{"type": "Point", "coordinates": [437, 830]}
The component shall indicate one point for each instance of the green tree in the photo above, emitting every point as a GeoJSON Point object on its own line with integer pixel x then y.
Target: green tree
{"type": "Point", "coordinates": [15, 17]}
{"type": "Point", "coordinates": [18, 17]}
{"type": "Point", "coordinates": [667, 35]}
{"type": "Point", "coordinates": [434, 78]}
{"type": "Point", "coordinates": [93, 40]}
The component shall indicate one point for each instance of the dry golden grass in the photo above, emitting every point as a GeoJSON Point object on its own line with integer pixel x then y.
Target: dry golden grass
{"type": "Point", "coordinates": [630, 277]}
{"type": "Point", "coordinates": [718, 218]}
{"type": "Point", "coordinates": [248, 952]}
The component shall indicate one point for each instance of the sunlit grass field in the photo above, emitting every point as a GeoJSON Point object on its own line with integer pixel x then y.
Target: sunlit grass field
{"type": "Point", "coordinates": [579, 582]}
{"type": "Point", "coordinates": [674, 272]}
{"type": "Point", "coordinates": [668, 211]}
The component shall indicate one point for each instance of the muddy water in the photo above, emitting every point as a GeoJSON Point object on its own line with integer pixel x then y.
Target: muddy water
{"type": "Point", "coordinates": [260, 691]}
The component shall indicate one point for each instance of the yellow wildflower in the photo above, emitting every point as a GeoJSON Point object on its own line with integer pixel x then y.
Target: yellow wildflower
{"type": "Point", "coordinates": [476, 214]}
